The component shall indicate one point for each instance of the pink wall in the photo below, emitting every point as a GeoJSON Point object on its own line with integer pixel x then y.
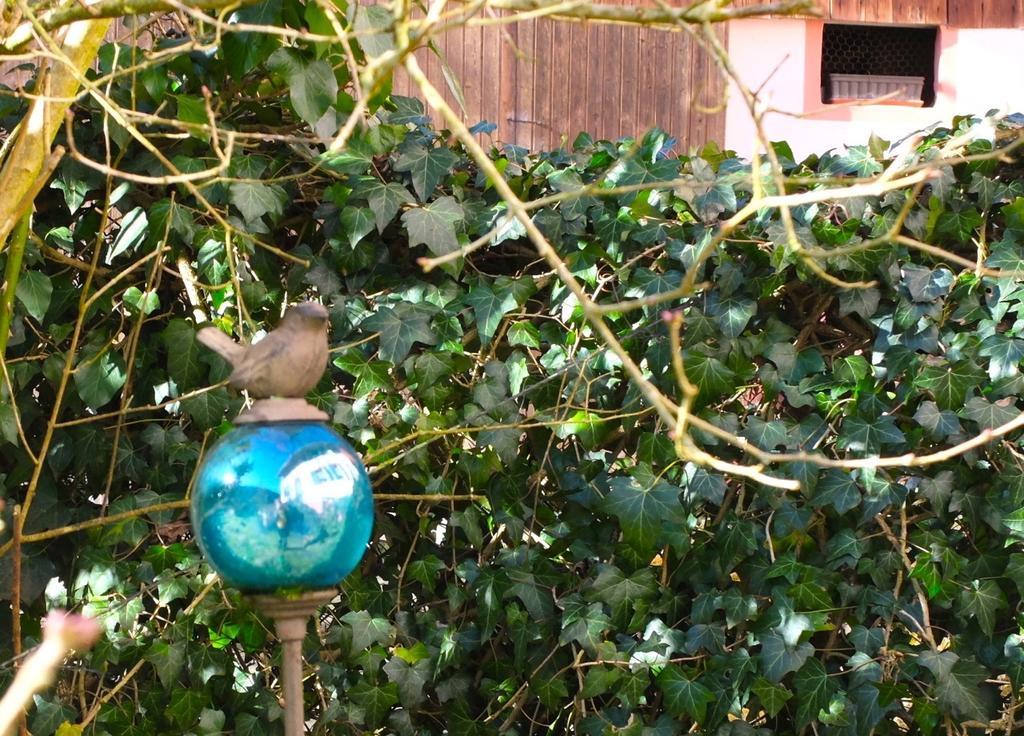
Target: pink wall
{"type": "Point", "coordinates": [978, 70]}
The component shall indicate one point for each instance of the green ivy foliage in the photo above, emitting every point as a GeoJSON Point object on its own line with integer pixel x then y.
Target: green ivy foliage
{"type": "Point", "coordinates": [575, 576]}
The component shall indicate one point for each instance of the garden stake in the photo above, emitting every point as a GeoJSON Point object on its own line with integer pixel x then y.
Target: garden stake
{"type": "Point", "coordinates": [282, 506]}
{"type": "Point", "coordinates": [290, 617]}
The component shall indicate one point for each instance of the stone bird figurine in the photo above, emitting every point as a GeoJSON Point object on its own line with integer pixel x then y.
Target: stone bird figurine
{"type": "Point", "coordinates": [287, 363]}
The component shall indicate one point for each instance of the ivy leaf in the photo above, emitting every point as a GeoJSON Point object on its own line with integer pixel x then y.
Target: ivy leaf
{"type": "Point", "coordinates": [98, 378]}
{"type": "Point", "coordinates": [958, 685]}
{"type": "Point", "coordinates": [863, 435]}
{"type": "Point", "coordinates": [780, 658]}
{"type": "Point", "coordinates": [838, 489]}
{"type": "Point", "coordinates": [183, 354]}
{"type": "Point", "coordinates": [926, 284]}
{"type": "Point", "coordinates": [766, 435]}
{"type": "Point", "coordinates": [699, 483]}
{"type": "Point", "coordinates": [990, 415]}
{"type": "Point", "coordinates": [373, 25]}
{"type": "Point", "coordinates": [710, 375]}
{"type": "Point", "coordinates": [141, 302]}
{"type": "Point", "coordinates": [370, 375]}
{"type": "Point", "coordinates": [859, 301]}
{"type": "Point", "coordinates": [773, 697]}
{"type": "Point", "coordinates": [385, 200]}
{"type": "Point", "coordinates": [254, 200]}
{"type": "Point", "coordinates": [410, 678]}
{"type": "Point", "coordinates": [599, 680]}
{"type": "Point", "coordinates": [49, 716]}
{"type": "Point", "coordinates": [810, 597]}
{"type": "Point", "coordinates": [489, 308]}
{"type": "Point", "coordinates": [536, 599]}
{"type": "Point", "coordinates": [632, 687]}
{"type": "Point", "coordinates": [732, 315]}
{"type": "Point", "coordinates": [167, 659]}
{"type": "Point", "coordinates": [434, 225]}
{"type": "Point", "coordinates": [980, 601]}
{"type": "Point", "coordinates": [367, 630]}
{"type": "Point", "coordinates": [246, 724]}
{"type": "Point", "coordinates": [312, 86]}
{"type": "Point", "coordinates": [524, 334]}
{"type": "Point", "coordinates": [619, 592]}
{"type": "Point", "coordinates": [355, 159]}
{"type": "Point", "coordinates": [949, 383]}
{"type": "Point", "coordinates": [185, 707]}
{"type": "Point", "coordinates": [584, 624]}
{"type": "Point", "coordinates": [856, 160]}
{"type": "Point", "coordinates": [813, 689]}
{"type": "Point", "coordinates": [432, 366]}
{"type": "Point", "coordinates": [207, 409]}
{"type": "Point", "coordinates": [683, 696]}
{"type": "Point", "coordinates": [8, 424]}
{"type": "Point", "coordinates": [642, 511]}
{"type": "Point", "coordinates": [34, 291]}
{"type": "Point", "coordinates": [1005, 355]}
{"type": "Point", "coordinates": [1006, 255]}
{"type": "Point", "coordinates": [939, 423]}
{"type": "Point", "coordinates": [357, 222]}
{"type": "Point", "coordinates": [719, 198]}
{"type": "Point", "coordinates": [707, 637]}
{"type": "Point", "coordinates": [133, 228]}
{"type": "Point", "coordinates": [613, 228]}
{"type": "Point", "coordinates": [400, 326]}
{"type": "Point", "coordinates": [426, 166]}
{"type": "Point", "coordinates": [958, 226]}
{"type": "Point", "coordinates": [375, 700]}
{"type": "Point", "coordinates": [551, 691]}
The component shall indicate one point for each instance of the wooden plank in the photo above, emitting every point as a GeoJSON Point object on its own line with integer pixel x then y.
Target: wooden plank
{"type": "Point", "coordinates": [432, 68]}
{"type": "Point", "coordinates": [469, 72]}
{"type": "Point", "coordinates": [507, 129]}
{"type": "Point", "coordinates": [931, 12]}
{"type": "Point", "coordinates": [579, 61]}
{"type": "Point", "coordinates": [714, 97]}
{"type": "Point", "coordinates": [695, 95]}
{"type": "Point", "coordinates": [707, 97]}
{"type": "Point", "coordinates": [491, 42]}
{"type": "Point", "coordinates": [678, 119]}
{"type": "Point", "coordinates": [607, 98]}
{"type": "Point", "coordinates": [668, 48]}
{"type": "Point", "coordinates": [656, 80]}
{"type": "Point", "coordinates": [965, 13]}
{"type": "Point", "coordinates": [597, 46]}
{"type": "Point", "coordinates": [999, 13]}
{"type": "Point", "coordinates": [850, 10]}
{"type": "Point", "coordinates": [719, 84]}
{"type": "Point", "coordinates": [683, 48]}
{"type": "Point", "coordinates": [542, 81]}
{"type": "Point", "coordinates": [630, 96]}
{"type": "Point", "coordinates": [646, 77]}
{"type": "Point", "coordinates": [526, 64]}
{"type": "Point", "coordinates": [563, 82]}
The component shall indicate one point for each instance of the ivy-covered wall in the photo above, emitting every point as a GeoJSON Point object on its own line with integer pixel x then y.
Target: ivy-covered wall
{"type": "Point", "coordinates": [543, 560]}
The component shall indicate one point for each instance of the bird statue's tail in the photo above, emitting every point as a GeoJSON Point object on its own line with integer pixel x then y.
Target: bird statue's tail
{"type": "Point", "coordinates": [221, 344]}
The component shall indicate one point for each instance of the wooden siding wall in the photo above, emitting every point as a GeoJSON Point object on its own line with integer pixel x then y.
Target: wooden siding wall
{"type": "Point", "coordinates": [544, 81]}
{"type": "Point", "coordinates": [957, 13]}
{"type": "Point", "coordinates": [986, 13]}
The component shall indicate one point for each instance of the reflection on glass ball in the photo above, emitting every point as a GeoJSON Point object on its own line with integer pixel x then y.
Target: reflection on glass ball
{"type": "Point", "coordinates": [282, 505]}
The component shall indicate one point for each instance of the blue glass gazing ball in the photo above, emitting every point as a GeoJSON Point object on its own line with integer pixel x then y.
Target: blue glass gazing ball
{"type": "Point", "coordinates": [282, 505]}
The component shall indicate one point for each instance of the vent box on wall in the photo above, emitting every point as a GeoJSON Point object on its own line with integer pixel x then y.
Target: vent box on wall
{"type": "Point", "coordinates": [884, 88]}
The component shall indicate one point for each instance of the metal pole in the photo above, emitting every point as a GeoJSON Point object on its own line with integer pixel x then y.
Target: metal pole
{"type": "Point", "coordinates": [290, 616]}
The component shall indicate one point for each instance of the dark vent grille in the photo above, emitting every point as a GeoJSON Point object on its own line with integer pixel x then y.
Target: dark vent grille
{"type": "Point", "coordinates": [880, 51]}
